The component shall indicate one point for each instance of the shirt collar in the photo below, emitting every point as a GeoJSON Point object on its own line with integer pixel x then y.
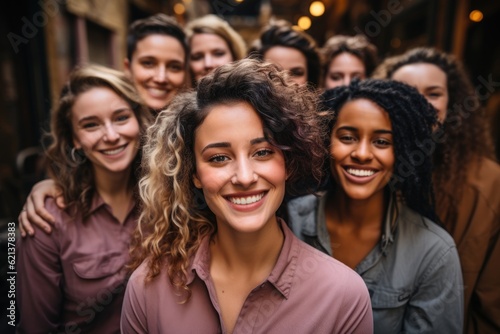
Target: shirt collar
{"type": "Point", "coordinates": [98, 202]}
{"type": "Point", "coordinates": [280, 277]}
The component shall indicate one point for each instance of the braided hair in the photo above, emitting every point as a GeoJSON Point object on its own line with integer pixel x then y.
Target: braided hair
{"type": "Point", "coordinates": [412, 119]}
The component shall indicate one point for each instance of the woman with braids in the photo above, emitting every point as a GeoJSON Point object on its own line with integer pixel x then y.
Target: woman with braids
{"type": "Point", "coordinates": [210, 254]}
{"type": "Point", "coordinates": [73, 279]}
{"type": "Point", "coordinates": [376, 215]}
{"type": "Point", "coordinates": [292, 49]}
{"type": "Point", "coordinates": [346, 58]}
{"type": "Point", "coordinates": [466, 177]}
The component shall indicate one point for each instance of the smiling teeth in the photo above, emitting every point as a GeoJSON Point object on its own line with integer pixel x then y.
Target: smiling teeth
{"type": "Point", "coordinates": [246, 200]}
{"type": "Point", "coordinates": [360, 172]}
{"type": "Point", "coordinates": [115, 151]}
{"type": "Point", "coordinates": [157, 92]}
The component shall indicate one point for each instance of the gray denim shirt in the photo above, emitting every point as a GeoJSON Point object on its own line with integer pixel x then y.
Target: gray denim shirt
{"type": "Point", "coordinates": [413, 274]}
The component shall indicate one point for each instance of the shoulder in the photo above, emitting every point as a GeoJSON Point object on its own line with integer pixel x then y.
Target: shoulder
{"type": "Point", "coordinates": [140, 282]}
{"type": "Point", "coordinates": [485, 179]}
{"type": "Point", "coordinates": [302, 214]}
{"type": "Point", "coordinates": [61, 216]}
{"type": "Point", "coordinates": [425, 245]}
{"type": "Point", "coordinates": [419, 228]}
{"type": "Point", "coordinates": [138, 277]}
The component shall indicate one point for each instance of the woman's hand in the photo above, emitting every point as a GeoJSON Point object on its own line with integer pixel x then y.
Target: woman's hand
{"type": "Point", "coordinates": [34, 211]}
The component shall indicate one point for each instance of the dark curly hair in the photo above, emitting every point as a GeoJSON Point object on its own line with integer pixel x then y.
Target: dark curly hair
{"type": "Point", "coordinates": [412, 118]}
{"type": "Point", "coordinates": [175, 217]}
{"type": "Point", "coordinates": [463, 139]}
{"type": "Point", "coordinates": [281, 33]}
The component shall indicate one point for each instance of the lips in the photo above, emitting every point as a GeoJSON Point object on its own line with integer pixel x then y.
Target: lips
{"type": "Point", "coordinates": [360, 172]}
{"type": "Point", "coordinates": [158, 92]}
{"type": "Point", "coordinates": [114, 151]}
{"type": "Point", "coordinates": [246, 200]}
{"type": "Point", "coordinates": [359, 175]}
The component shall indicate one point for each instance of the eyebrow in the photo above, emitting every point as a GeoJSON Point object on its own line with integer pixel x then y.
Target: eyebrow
{"type": "Point", "coordinates": [351, 128]}
{"type": "Point", "coordinates": [227, 144]}
{"type": "Point", "coordinates": [117, 111]}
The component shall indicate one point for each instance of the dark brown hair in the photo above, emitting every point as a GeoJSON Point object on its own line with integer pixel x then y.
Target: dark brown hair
{"type": "Point", "coordinates": [464, 138]}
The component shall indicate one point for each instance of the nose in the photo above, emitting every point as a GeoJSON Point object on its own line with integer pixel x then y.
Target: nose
{"type": "Point", "coordinates": [110, 133]}
{"type": "Point", "coordinates": [160, 74]}
{"type": "Point", "coordinates": [209, 63]}
{"type": "Point", "coordinates": [346, 80]}
{"type": "Point", "coordinates": [362, 151]}
{"type": "Point", "coordinates": [245, 174]}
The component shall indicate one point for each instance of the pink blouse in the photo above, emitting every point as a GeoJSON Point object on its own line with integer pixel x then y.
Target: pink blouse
{"type": "Point", "coordinates": [306, 292]}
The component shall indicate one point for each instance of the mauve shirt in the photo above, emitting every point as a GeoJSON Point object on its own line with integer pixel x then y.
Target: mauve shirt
{"type": "Point", "coordinates": [73, 280]}
{"type": "Point", "coordinates": [306, 292]}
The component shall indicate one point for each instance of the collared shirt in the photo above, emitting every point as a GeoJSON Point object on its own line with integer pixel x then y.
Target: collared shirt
{"type": "Point", "coordinates": [413, 273]}
{"type": "Point", "coordinates": [73, 280]}
{"type": "Point", "coordinates": [306, 292]}
{"type": "Point", "coordinates": [476, 231]}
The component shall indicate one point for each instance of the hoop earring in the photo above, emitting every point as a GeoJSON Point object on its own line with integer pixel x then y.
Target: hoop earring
{"type": "Point", "coordinates": [77, 156]}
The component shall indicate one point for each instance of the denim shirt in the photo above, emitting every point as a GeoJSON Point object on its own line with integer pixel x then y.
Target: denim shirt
{"type": "Point", "coordinates": [413, 274]}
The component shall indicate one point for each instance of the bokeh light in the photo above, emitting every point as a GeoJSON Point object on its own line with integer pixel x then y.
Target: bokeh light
{"type": "Point", "coordinates": [179, 9]}
{"type": "Point", "coordinates": [304, 23]}
{"type": "Point", "coordinates": [476, 16]}
{"type": "Point", "coordinates": [317, 8]}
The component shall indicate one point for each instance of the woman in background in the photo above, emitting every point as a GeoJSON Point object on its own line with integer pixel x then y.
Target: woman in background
{"type": "Point", "coordinates": [292, 49]}
{"type": "Point", "coordinates": [213, 43]}
{"type": "Point", "coordinates": [157, 59]}
{"type": "Point", "coordinates": [73, 279]}
{"type": "Point", "coordinates": [346, 58]}
{"type": "Point", "coordinates": [466, 177]}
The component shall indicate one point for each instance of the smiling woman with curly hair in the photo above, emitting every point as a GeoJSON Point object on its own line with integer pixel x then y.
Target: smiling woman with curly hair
{"type": "Point", "coordinates": [210, 254]}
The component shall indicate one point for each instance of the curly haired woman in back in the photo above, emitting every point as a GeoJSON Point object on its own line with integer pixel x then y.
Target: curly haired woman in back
{"type": "Point", "coordinates": [466, 177]}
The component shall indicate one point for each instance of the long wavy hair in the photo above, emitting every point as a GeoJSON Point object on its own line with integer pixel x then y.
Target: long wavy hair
{"type": "Point", "coordinates": [76, 179]}
{"type": "Point", "coordinates": [465, 138]}
{"type": "Point", "coordinates": [175, 217]}
{"type": "Point", "coordinates": [412, 119]}
{"type": "Point", "coordinates": [282, 33]}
